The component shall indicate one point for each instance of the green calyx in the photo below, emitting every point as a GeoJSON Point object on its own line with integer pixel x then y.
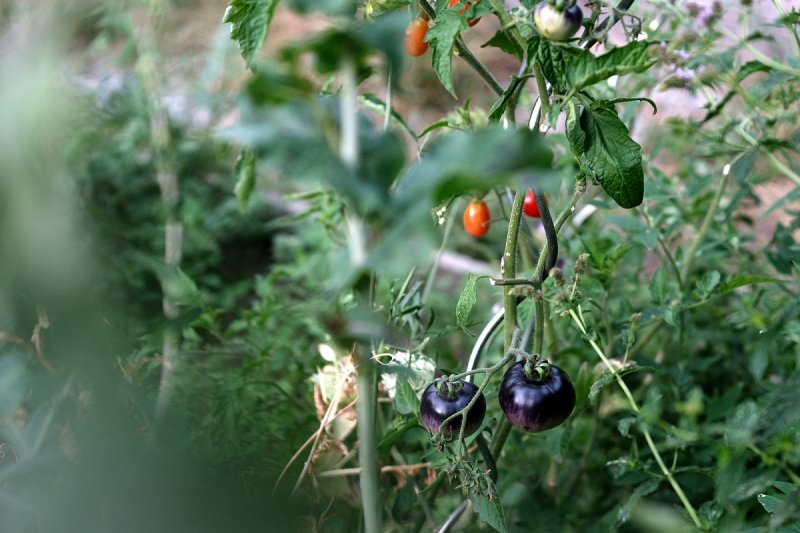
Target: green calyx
{"type": "Point", "coordinates": [536, 369]}
{"type": "Point", "coordinates": [447, 388]}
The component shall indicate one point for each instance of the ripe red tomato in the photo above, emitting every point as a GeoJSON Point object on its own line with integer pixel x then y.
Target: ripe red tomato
{"type": "Point", "coordinates": [476, 218]}
{"type": "Point", "coordinates": [415, 45]}
{"type": "Point", "coordinates": [466, 5]}
{"type": "Point", "coordinates": [529, 207]}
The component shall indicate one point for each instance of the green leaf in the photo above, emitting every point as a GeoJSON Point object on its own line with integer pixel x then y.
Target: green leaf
{"type": "Point", "coordinates": [625, 424]}
{"type": "Point", "coordinates": [489, 510]}
{"type": "Point", "coordinates": [400, 425]}
{"type": "Point", "coordinates": [466, 301]}
{"type": "Point", "coordinates": [769, 503]}
{"type": "Point", "coordinates": [250, 21]}
{"type": "Point", "coordinates": [442, 36]}
{"type": "Point", "coordinates": [575, 135]}
{"type": "Point", "coordinates": [502, 41]}
{"type": "Point", "coordinates": [784, 487]}
{"type": "Point", "coordinates": [612, 158]}
{"type": "Point", "coordinates": [658, 286]}
{"type": "Point", "coordinates": [246, 177]}
{"type": "Point", "coordinates": [570, 68]}
{"type": "Point", "coordinates": [405, 399]}
{"type": "Point", "coordinates": [742, 280]}
{"type": "Point", "coordinates": [624, 512]}
{"type": "Point", "coordinates": [707, 284]}
{"type": "Point", "coordinates": [608, 377]}
{"type": "Point", "coordinates": [499, 107]}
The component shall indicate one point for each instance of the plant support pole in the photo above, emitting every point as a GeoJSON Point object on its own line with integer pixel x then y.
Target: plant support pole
{"type": "Point", "coordinates": [170, 192]}
{"type": "Point", "coordinates": [365, 381]}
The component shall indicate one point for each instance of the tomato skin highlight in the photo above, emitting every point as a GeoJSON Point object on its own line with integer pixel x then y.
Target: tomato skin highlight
{"type": "Point", "coordinates": [476, 218]}
{"type": "Point", "coordinates": [467, 5]}
{"type": "Point", "coordinates": [415, 35]}
{"type": "Point", "coordinates": [536, 405]}
{"type": "Point", "coordinates": [434, 408]}
{"type": "Point", "coordinates": [530, 207]}
{"type": "Point", "coordinates": [557, 25]}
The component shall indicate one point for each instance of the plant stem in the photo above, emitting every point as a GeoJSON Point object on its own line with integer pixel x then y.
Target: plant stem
{"type": "Point", "coordinates": [365, 381]}
{"type": "Point", "coordinates": [688, 258]}
{"type": "Point", "coordinates": [167, 178]}
{"type": "Point", "coordinates": [508, 269]}
{"type": "Point", "coordinates": [541, 85]}
{"type": "Point", "coordinates": [467, 56]}
{"type": "Point", "coordinates": [367, 443]}
{"type": "Point", "coordinates": [635, 408]}
{"type": "Point", "coordinates": [488, 458]}
{"type": "Point", "coordinates": [538, 330]}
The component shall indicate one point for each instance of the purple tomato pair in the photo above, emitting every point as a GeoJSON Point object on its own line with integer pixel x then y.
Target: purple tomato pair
{"type": "Point", "coordinates": [534, 396]}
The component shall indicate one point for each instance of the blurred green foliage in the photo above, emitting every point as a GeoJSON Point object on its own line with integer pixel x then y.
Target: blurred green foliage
{"type": "Point", "coordinates": [705, 330]}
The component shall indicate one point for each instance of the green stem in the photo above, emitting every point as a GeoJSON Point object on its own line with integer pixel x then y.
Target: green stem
{"type": "Point", "coordinates": [538, 330]}
{"type": "Point", "coordinates": [544, 97]}
{"type": "Point", "coordinates": [499, 9]}
{"type": "Point", "coordinates": [467, 56]}
{"type": "Point", "coordinates": [488, 458]}
{"type": "Point", "coordinates": [688, 258]}
{"type": "Point", "coordinates": [645, 431]}
{"type": "Point", "coordinates": [508, 268]}
{"type": "Point", "coordinates": [367, 443]}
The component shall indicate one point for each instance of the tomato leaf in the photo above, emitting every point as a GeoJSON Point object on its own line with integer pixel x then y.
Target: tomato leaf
{"type": "Point", "coordinates": [613, 159]}
{"type": "Point", "coordinates": [499, 107]}
{"type": "Point", "coordinates": [246, 177]}
{"type": "Point", "coordinates": [405, 399]}
{"type": "Point", "coordinates": [570, 68]}
{"type": "Point", "coordinates": [442, 37]}
{"type": "Point", "coordinates": [575, 135]}
{"type": "Point", "coordinates": [489, 510]}
{"type": "Point", "coordinates": [502, 41]}
{"type": "Point", "coordinates": [466, 301]}
{"type": "Point", "coordinates": [249, 21]}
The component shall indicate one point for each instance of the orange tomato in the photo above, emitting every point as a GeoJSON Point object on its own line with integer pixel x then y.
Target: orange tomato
{"type": "Point", "coordinates": [415, 45]}
{"type": "Point", "coordinates": [476, 218]}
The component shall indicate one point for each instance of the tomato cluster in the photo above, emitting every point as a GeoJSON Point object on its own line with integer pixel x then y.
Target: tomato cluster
{"type": "Point", "coordinates": [534, 396]}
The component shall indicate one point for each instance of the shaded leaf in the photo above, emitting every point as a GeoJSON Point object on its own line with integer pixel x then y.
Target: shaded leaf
{"type": "Point", "coordinates": [466, 301]}
{"type": "Point", "coordinates": [250, 21]}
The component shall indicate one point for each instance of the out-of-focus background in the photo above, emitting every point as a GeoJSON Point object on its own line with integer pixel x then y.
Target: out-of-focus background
{"type": "Point", "coordinates": [124, 250]}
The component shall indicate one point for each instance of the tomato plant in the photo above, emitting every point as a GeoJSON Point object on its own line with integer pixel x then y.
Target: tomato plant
{"type": "Point", "coordinates": [467, 6]}
{"type": "Point", "coordinates": [415, 37]}
{"type": "Point", "coordinates": [476, 218]}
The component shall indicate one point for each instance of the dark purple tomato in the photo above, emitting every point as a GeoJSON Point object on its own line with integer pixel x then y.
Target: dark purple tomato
{"type": "Point", "coordinates": [557, 25]}
{"type": "Point", "coordinates": [438, 404]}
{"type": "Point", "coordinates": [536, 403]}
